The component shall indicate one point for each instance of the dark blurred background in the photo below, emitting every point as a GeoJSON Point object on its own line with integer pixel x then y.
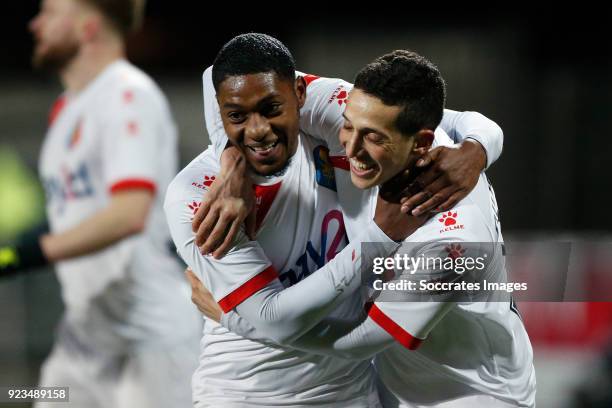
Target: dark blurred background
{"type": "Point", "coordinates": [542, 72]}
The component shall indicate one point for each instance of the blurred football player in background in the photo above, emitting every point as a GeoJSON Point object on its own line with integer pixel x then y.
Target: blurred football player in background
{"type": "Point", "coordinates": [128, 337]}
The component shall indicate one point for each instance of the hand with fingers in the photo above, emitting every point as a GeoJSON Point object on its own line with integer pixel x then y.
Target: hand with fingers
{"type": "Point", "coordinates": [396, 224]}
{"type": "Point", "coordinates": [447, 175]}
{"type": "Point", "coordinates": [228, 203]}
{"type": "Point", "coordinates": [202, 298]}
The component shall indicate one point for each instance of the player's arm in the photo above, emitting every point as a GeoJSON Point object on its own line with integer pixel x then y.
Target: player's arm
{"type": "Point", "coordinates": [132, 135]}
{"type": "Point", "coordinates": [450, 173]}
{"type": "Point", "coordinates": [245, 281]}
{"type": "Point", "coordinates": [212, 116]}
{"type": "Point", "coordinates": [124, 216]}
{"type": "Point", "coordinates": [230, 200]}
{"type": "Point", "coordinates": [130, 141]}
{"type": "Point", "coordinates": [321, 117]}
{"type": "Point", "coordinates": [473, 126]}
{"type": "Point", "coordinates": [358, 339]}
{"type": "Point", "coordinates": [396, 317]}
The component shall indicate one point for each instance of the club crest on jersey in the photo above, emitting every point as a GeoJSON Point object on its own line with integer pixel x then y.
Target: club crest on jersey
{"type": "Point", "coordinates": [324, 168]}
{"type": "Point", "coordinates": [339, 95]}
{"type": "Point", "coordinates": [449, 221]}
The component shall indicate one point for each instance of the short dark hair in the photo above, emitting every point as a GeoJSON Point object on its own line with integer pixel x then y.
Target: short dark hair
{"type": "Point", "coordinates": [125, 15]}
{"type": "Point", "coordinates": [253, 53]}
{"type": "Point", "coordinates": [405, 78]}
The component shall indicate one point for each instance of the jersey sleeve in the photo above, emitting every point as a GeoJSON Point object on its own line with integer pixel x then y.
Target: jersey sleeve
{"type": "Point", "coordinates": [212, 115]}
{"type": "Point", "coordinates": [396, 320]}
{"type": "Point", "coordinates": [404, 317]}
{"type": "Point", "coordinates": [244, 270]}
{"type": "Point", "coordinates": [244, 279]}
{"type": "Point", "coordinates": [473, 125]}
{"type": "Point", "coordinates": [132, 133]}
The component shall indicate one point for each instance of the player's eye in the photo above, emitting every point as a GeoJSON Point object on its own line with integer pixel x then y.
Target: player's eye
{"type": "Point", "coordinates": [374, 137]}
{"type": "Point", "coordinates": [272, 109]}
{"type": "Point", "coordinates": [236, 117]}
{"type": "Point", "coordinates": [347, 125]}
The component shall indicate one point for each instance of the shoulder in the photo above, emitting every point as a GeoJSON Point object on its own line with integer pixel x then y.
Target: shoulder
{"type": "Point", "coordinates": [191, 183]}
{"type": "Point", "coordinates": [468, 221]}
{"type": "Point", "coordinates": [333, 90]}
{"type": "Point", "coordinates": [130, 87]}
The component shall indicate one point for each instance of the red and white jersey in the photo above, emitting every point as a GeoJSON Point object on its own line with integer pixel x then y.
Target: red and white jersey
{"type": "Point", "coordinates": [300, 229]}
{"type": "Point", "coordinates": [460, 348]}
{"type": "Point", "coordinates": [501, 364]}
{"type": "Point", "coordinates": [448, 350]}
{"type": "Point", "coordinates": [452, 350]}
{"type": "Point", "coordinates": [117, 133]}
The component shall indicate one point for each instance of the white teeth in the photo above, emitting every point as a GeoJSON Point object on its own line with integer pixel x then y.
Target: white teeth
{"type": "Point", "coordinates": [263, 148]}
{"type": "Point", "coordinates": [360, 165]}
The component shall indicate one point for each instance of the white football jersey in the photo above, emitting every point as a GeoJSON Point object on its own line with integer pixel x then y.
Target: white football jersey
{"type": "Point", "coordinates": [117, 133]}
{"type": "Point", "coordinates": [501, 366]}
{"type": "Point", "coordinates": [300, 229]}
{"type": "Point", "coordinates": [462, 348]}
{"type": "Point", "coordinates": [449, 350]}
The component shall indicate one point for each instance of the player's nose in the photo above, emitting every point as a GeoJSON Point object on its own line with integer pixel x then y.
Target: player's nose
{"type": "Point", "coordinates": [352, 144]}
{"type": "Point", "coordinates": [257, 128]}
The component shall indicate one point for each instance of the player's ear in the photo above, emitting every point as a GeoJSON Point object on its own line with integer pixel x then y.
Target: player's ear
{"type": "Point", "coordinates": [89, 26]}
{"type": "Point", "coordinates": [423, 140]}
{"type": "Point", "coordinates": [300, 90]}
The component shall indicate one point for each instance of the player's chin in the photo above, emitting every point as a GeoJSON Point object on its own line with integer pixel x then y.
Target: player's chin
{"type": "Point", "coordinates": [364, 183]}
{"type": "Point", "coordinates": [270, 165]}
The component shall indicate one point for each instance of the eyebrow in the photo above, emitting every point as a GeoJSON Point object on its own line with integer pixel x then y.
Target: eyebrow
{"type": "Point", "coordinates": [367, 129]}
{"type": "Point", "coordinates": [267, 99]}
{"type": "Point", "coordinates": [231, 106]}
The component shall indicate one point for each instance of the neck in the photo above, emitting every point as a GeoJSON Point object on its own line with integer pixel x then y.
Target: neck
{"type": "Point", "coordinates": [91, 60]}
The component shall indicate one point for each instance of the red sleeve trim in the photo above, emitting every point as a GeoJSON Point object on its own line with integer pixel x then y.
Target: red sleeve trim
{"type": "Point", "coordinates": [133, 184]}
{"type": "Point", "coordinates": [394, 329]}
{"type": "Point", "coordinates": [248, 288]}
{"type": "Point", "coordinates": [340, 162]}
{"type": "Point", "coordinates": [309, 78]}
